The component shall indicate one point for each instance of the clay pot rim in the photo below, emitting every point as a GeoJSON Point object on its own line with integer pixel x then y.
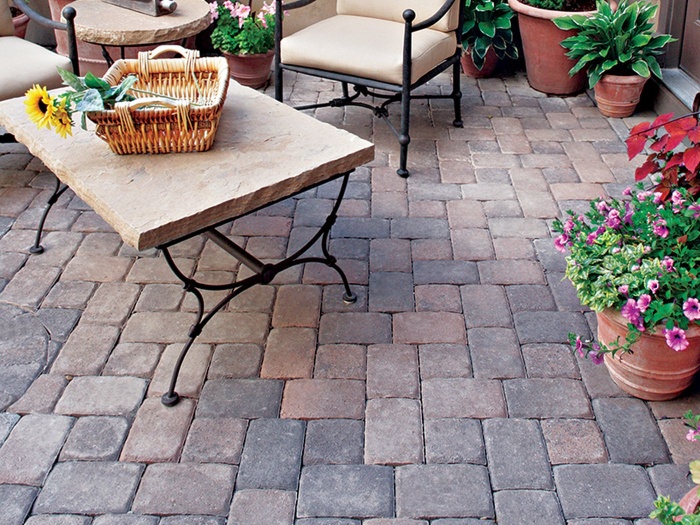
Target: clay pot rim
{"type": "Point", "coordinates": [632, 78]}
{"type": "Point", "coordinates": [691, 501]}
{"type": "Point", "coordinates": [546, 14]}
{"type": "Point", "coordinates": [615, 316]}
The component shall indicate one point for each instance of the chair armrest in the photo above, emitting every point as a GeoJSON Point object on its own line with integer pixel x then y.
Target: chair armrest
{"type": "Point", "coordinates": [433, 19]}
{"type": "Point", "coordinates": [38, 17]}
{"type": "Point", "coordinates": [297, 4]}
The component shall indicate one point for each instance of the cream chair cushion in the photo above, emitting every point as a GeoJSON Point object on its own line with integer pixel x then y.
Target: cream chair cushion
{"type": "Point", "coordinates": [25, 64]}
{"type": "Point", "coordinates": [393, 10]}
{"type": "Point", "coordinates": [365, 47]}
{"type": "Point", "coordinates": [6, 26]}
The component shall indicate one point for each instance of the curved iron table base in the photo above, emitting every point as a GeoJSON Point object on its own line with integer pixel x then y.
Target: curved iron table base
{"type": "Point", "coordinates": [263, 274]}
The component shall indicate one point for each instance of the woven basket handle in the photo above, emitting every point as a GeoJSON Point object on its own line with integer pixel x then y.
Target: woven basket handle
{"type": "Point", "coordinates": [190, 55]}
{"type": "Point", "coordinates": [124, 109]}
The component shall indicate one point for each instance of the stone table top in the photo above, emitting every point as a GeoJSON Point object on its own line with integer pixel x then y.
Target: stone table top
{"type": "Point", "coordinates": [264, 151]}
{"type": "Point", "coordinates": [98, 22]}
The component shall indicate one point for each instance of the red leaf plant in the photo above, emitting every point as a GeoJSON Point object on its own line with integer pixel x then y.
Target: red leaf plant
{"type": "Point", "coordinates": [674, 160]}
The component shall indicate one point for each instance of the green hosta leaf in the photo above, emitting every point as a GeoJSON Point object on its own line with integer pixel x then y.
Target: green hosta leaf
{"type": "Point", "coordinates": [487, 28]}
{"type": "Point", "coordinates": [641, 68]}
{"type": "Point", "coordinates": [570, 22]}
{"type": "Point", "coordinates": [92, 81]}
{"type": "Point", "coordinates": [641, 40]}
{"type": "Point", "coordinates": [657, 42]}
{"type": "Point", "coordinates": [468, 26]}
{"type": "Point", "coordinates": [654, 66]}
{"type": "Point", "coordinates": [502, 23]}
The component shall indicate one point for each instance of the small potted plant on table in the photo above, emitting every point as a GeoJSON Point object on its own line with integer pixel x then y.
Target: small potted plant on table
{"type": "Point", "coordinates": [636, 262]}
{"type": "Point", "coordinates": [246, 39]}
{"type": "Point", "coordinates": [486, 36]}
{"type": "Point", "coordinates": [618, 48]}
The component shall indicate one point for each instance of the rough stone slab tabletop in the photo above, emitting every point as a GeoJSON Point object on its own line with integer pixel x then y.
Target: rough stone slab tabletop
{"type": "Point", "coordinates": [264, 151]}
{"type": "Point", "coordinates": [101, 23]}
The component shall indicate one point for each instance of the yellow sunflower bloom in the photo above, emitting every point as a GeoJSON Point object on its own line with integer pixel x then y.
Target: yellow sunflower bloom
{"type": "Point", "coordinates": [40, 106]}
{"type": "Point", "coordinates": [61, 119]}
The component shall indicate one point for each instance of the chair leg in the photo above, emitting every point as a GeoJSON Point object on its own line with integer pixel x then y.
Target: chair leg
{"type": "Point", "coordinates": [404, 137]}
{"type": "Point", "coordinates": [457, 95]}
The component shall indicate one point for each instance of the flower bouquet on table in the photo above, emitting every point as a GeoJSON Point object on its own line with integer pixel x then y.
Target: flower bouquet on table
{"type": "Point", "coordinates": [246, 38]}
{"type": "Point", "coordinates": [636, 263]}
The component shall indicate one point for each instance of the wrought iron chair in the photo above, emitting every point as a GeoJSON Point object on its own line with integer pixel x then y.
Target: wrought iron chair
{"type": "Point", "coordinates": [385, 49]}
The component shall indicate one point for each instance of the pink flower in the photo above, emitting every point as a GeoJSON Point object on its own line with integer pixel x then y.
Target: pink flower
{"type": "Point", "coordinates": [657, 197]}
{"type": "Point", "coordinates": [602, 206]}
{"type": "Point", "coordinates": [675, 339]}
{"type": "Point", "coordinates": [691, 309]}
{"type": "Point", "coordinates": [590, 240]}
{"type": "Point", "coordinates": [660, 228]}
{"type": "Point", "coordinates": [668, 264]}
{"type": "Point", "coordinates": [630, 311]}
{"type": "Point", "coordinates": [653, 285]}
{"type": "Point", "coordinates": [214, 11]}
{"type": "Point", "coordinates": [595, 354]}
{"type": "Point", "coordinates": [624, 289]}
{"type": "Point", "coordinates": [568, 225]}
{"type": "Point", "coordinates": [643, 302]}
{"type": "Point", "coordinates": [627, 191]}
{"type": "Point", "coordinates": [613, 219]}
{"type": "Point", "coordinates": [695, 208]}
{"type": "Point", "coordinates": [692, 435]}
{"type": "Point", "coordinates": [579, 346]}
{"type": "Point", "coordinates": [561, 242]}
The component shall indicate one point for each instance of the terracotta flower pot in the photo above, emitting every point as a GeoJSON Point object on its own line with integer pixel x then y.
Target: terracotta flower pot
{"type": "Point", "coordinates": [691, 501]}
{"type": "Point", "coordinates": [545, 60]}
{"type": "Point", "coordinates": [250, 70]}
{"type": "Point", "coordinates": [490, 63]}
{"type": "Point", "coordinates": [653, 371]}
{"type": "Point", "coordinates": [618, 95]}
{"type": "Point", "coordinates": [20, 22]}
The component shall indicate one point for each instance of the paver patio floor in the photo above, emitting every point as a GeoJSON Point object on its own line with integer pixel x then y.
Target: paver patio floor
{"type": "Point", "coordinates": [445, 395]}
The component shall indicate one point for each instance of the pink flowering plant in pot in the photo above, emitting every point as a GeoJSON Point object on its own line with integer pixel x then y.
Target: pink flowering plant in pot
{"type": "Point", "coordinates": [240, 31]}
{"type": "Point", "coordinates": [641, 257]}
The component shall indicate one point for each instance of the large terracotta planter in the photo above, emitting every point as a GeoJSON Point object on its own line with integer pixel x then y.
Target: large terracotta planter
{"type": "Point", "coordinates": [691, 501]}
{"type": "Point", "coordinates": [490, 63]}
{"type": "Point", "coordinates": [20, 23]}
{"type": "Point", "coordinates": [617, 95]}
{"type": "Point", "coordinates": [545, 60]}
{"type": "Point", "coordinates": [653, 371]}
{"type": "Point", "coordinates": [250, 70]}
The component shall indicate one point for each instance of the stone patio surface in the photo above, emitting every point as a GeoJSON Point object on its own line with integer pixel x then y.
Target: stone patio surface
{"type": "Point", "coordinates": [446, 395]}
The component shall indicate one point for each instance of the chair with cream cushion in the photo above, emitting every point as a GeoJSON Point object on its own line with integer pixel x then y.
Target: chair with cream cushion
{"type": "Point", "coordinates": [23, 63]}
{"type": "Point", "coordinates": [384, 48]}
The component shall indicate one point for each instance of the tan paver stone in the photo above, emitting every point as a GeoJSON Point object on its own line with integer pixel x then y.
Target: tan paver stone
{"type": "Point", "coordinates": [356, 272]}
{"type": "Point", "coordinates": [17, 241]}
{"type": "Point", "coordinates": [10, 264]}
{"type": "Point", "coordinates": [98, 268]}
{"type": "Point", "coordinates": [13, 201]}
{"type": "Point", "coordinates": [392, 371]}
{"type": "Point", "coordinates": [452, 150]}
{"type": "Point", "coordinates": [593, 171]}
{"type": "Point", "coordinates": [456, 172]}
{"type": "Point", "coordinates": [567, 191]}
{"type": "Point", "coordinates": [467, 133]}
{"type": "Point", "coordinates": [427, 208]}
{"type": "Point", "coordinates": [530, 179]}
{"type": "Point", "coordinates": [472, 244]}
{"type": "Point", "coordinates": [506, 125]}
{"type": "Point", "coordinates": [562, 120]}
{"type": "Point", "coordinates": [466, 214]}
{"type": "Point", "coordinates": [323, 398]}
{"type": "Point", "coordinates": [214, 258]}
{"type": "Point", "coordinates": [260, 225]}
{"type": "Point", "coordinates": [158, 327]}
{"type": "Point", "coordinates": [160, 298]}
{"type": "Point", "coordinates": [674, 432]}
{"type": "Point", "coordinates": [431, 249]}
{"type": "Point", "coordinates": [260, 298]}
{"type": "Point", "coordinates": [101, 396]}
{"type": "Point", "coordinates": [545, 160]}
{"type": "Point", "coordinates": [437, 298]}
{"type": "Point", "coordinates": [444, 361]}
{"type": "Point", "coordinates": [30, 285]}
{"type": "Point", "coordinates": [133, 359]}
{"type": "Point", "coordinates": [258, 506]}
{"type": "Point", "coordinates": [158, 432]}
{"type": "Point", "coordinates": [289, 354]}
{"type": "Point", "coordinates": [429, 327]}
{"type": "Point", "coordinates": [100, 243]}
{"type": "Point", "coordinates": [485, 191]}
{"type": "Point", "coordinates": [581, 151]}
{"type": "Point", "coordinates": [297, 305]}
{"type": "Point", "coordinates": [487, 160]}
{"type": "Point", "coordinates": [235, 361]}
{"type": "Point", "coordinates": [156, 270]}
{"type": "Point", "coordinates": [215, 440]}
{"type": "Point", "coordinates": [394, 521]}
{"type": "Point", "coordinates": [230, 327]}
{"type": "Point", "coordinates": [86, 350]}
{"type": "Point", "coordinates": [192, 374]}
{"type": "Point", "coordinates": [518, 144]}
{"type": "Point", "coordinates": [510, 272]}
{"type": "Point", "coordinates": [547, 135]}
{"type": "Point", "coordinates": [341, 362]}
{"type": "Point", "coordinates": [393, 432]}
{"type": "Point", "coordinates": [538, 204]}
{"type": "Point", "coordinates": [41, 396]}
{"type": "Point", "coordinates": [111, 304]}
{"type": "Point", "coordinates": [594, 135]}
{"type": "Point", "coordinates": [513, 248]}
{"type": "Point", "coordinates": [59, 248]}
{"type": "Point", "coordinates": [573, 441]}
{"type": "Point", "coordinates": [69, 294]}
{"type": "Point", "coordinates": [463, 398]}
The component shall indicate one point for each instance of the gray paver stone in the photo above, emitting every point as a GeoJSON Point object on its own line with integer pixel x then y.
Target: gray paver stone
{"type": "Point", "coordinates": [604, 491]}
{"type": "Point", "coordinates": [391, 292]}
{"type": "Point", "coordinates": [191, 519]}
{"type": "Point", "coordinates": [215, 440]}
{"type": "Point", "coordinates": [547, 398]}
{"type": "Point", "coordinates": [262, 507]}
{"type": "Point", "coordinates": [95, 438]}
{"type": "Point", "coordinates": [445, 272]}
{"type": "Point", "coordinates": [527, 507]}
{"type": "Point", "coordinates": [392, 371]}
{"type": "Point", "coordinates": [671, 480]}
{"type": "Point", "coordinates": [393, 432]}
{"type": "Point", "coordinates": [185, 488]}
{"type": "Point", "coordinates": [7, 421]}
{"type": "Point", "coordinates": [434, 491]}
{"type": "Point", "coordinates": [454, 441]}
{"type": "Point", "coordinates": [495, 353]}
{"type": "Point", "coordinates": [463, 398]}
{"type": "Point", "coordinates": [240, 398]}
{"type": "Point", "coordinates": [444, 360]}
{"type": "Point", "coordinates": [78, 487]}
{"type": "Point", "coordinates": [334, 441]}
{"type": "Point", "coordinates": [125, 519]}
{"type": "Point", "coordinates": [631, 432]}
{"type": "Point", "coordinates": [516, 454]}
{"type": "Point", "coordinates": [358, 491]}
{"type": "Point", "coordinates": [58, 519]}
{"type": "Point", "coordinates": [326, 521]}
{"type": "Point", "coordinates": [17, 500]}
{"type": "Point", "coordinates": [271, 456]}
{"type": "Point", "coordinates": [101, 396]}
{"type": "Point", "coordinates": [32, 447]}
{"type": "Point", "coordinates": [549, 327]}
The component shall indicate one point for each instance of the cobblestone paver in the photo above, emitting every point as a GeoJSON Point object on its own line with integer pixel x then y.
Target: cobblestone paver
{"type": "Point", "coordinates": [446, 395]}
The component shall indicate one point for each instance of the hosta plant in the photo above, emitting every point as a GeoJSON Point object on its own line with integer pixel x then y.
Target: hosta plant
{"type": "Point", "coordinates": [487, 24]}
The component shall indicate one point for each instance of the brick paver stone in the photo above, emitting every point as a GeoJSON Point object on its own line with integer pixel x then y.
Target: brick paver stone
{"type": "Point", "coordinates": [262, 507]}
{"type": "Point", "coordinates": [604, 491]}
{"type": "Point", "coordinates": [240, 398]}
{"type": "Point", "coordinates": [125, 519]}
{"type": "Point", "coordinates": [550, 360]}
{"type": "Point", "coordinates": [86, 350]}
{"type": "Point", "coordinates": [323, 398]}
{"type": "Point", "coordinates": [215, 440]}
{"type": "Point", "coordinates": [95, 438]}
{"type": "Point", "coordinates": [334, 441]}
{"type": "Point", "coordinates": [547, 398]}
{"type": "Point", "coordinates": [235, 361]}
{"type": "Point", "coordinates": [573, 441]}
{"type": "Point", "coordinates": [58, 519]}
{"type": "Point", "coordinates": [341, 362]}
{"type": "Point", "coordinates": [444, 360]}
{"type": "Point", "coordinates": [32, 447]}
{"type": "Point", "coordinates": [444, 272]}
{"type": "Point", "coordinates": [191, 376]}
{"type": "Point", "coordinates": [185, 488]}
{"type": "Point", "coordinates": [290, 353]}
{"type": "Point", "coordinates": [431, 491]}
{"type": "Point", "coordinates": [495, 353]}
{"type": "Point", "coordinates": [75, 487]}
{"type": "Point", "coordinates": [360, 491]}
{"type": "Point", "coordinates": [549, 327]}
{"type": "Point", "coordinates": [41, 396]}
{"type": "Point", "coordinates": [17, 500]}
{"type": "Point", "coordinates": [516, 454]}
{"type": "Point", "coordinates": [297, 305]}
{"type": "Point", "coordinates": [102, 396]}
{"type": "Point", "coordinates": [158, 432]}
{"type": "Point", "coordinates": [392, 371]}
{"type": "Point", "coordinates": [271, 456]}
{"type": "Point", "coordinates": [463, 398]}
{"type": "Point", "coordinates": [355, 328]}
{"type": "Point", "coordinates": [393, 432]}
{"type": "Point", "coordinates": [454, 441]}
{"type": "Point", "coordinates": [527, 507]}
{"type": "Point", "coordinates": [429, 327]}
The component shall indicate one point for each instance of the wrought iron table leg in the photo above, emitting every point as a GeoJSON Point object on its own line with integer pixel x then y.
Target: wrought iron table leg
{"type": "Point", "coordinates": [37, 248]}
{"type": "Point", "coordinates": [263, 274]}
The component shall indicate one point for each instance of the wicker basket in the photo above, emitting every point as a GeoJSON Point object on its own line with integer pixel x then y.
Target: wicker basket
{"type": "Point", "coordinates": [161, 125]}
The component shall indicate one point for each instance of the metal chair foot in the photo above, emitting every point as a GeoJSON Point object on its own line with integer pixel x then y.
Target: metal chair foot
{"type": "Point", "coordinates": [402, 172]}
{"type": "Point", "coordinates": [349, 298]}
{"type": "Point", "coordinates": [36, 250]}
{"type": "Point", "coordinates": [170, 399]}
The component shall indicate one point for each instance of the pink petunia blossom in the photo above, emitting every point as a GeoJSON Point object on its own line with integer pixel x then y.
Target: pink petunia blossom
{"type": "Point", "coordinates": [691, 309]}
{"type": "Point", "coordinates": [653, 285]}
{"type": "Point", "coordinates": [693, 435]}
{"type": "Point", "coordinates": [595, 354]}
{"type": "Point", "coordinates": [569, 225]}
{"type": "Point", "coordinates": [660, 228]}
{"type": "Point", "coordinates": [658, 197]}
{"type": "Point", "coordinates": [602, 207]}
{"type": "Point", "coordinates": [667, 263]}
{"type": "Point", "coordinates": [613, 219]}
{"type": "Point", "coordinates": [675, 339]}
{"type": "Point", "coordinates": [214, 11]}
{"type": "Point", "coordinates": [579, 346]}
{"type": "Point", "coordinates": [695, 208]}
{"type": "Point", "coordinates": [561, 242]}
{"type": "Point", "coordinates": [623, 289]}
{"type": "Point", "coordinates": [590, 240]}
{"type": "Point", "coordinates": [627, 191]}
{"type": "Point", "coordinates": [643, 302]}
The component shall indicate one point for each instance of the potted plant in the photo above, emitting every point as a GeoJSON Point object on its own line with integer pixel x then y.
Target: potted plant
{"type": "Point", "coordinates": [546, 62]}
{"type": "Point", "coordinates": [486, 36]}
{"type": "Point", "coordinates": [687, 510]}
{"type": "Point", "coordinates": [619, 49]}
{"type": "Point", "coordinates": [246, 39]}
{"type": "Point", "coordinates": [636, 262]}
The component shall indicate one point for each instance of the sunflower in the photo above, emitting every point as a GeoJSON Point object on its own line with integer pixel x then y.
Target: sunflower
{"type": "Point", "coordinates": [61, 119]}
{"type": "Point", "coordinates": [40, 106]}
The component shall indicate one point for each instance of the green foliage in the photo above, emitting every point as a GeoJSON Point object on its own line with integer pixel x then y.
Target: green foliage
{"type": "Point", "coordinates": [668, 511]}
{"type": "Point", "coordinates": [240, 31]}
{"type": "Point", "coordinates": [553, 5]}
{"type": "Point", "coordinates": [487, 23]}
{"type": "Point", "coordinates": [620, 41]}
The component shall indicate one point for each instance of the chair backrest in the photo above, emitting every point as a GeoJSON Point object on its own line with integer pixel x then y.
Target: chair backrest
{"type": "Point", "coordinates": [7, 28]}
{"type": "Point", "coordinates": [393, 10]}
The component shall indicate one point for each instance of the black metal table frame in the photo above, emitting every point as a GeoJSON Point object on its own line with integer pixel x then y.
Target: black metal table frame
{"type": "Point", "coordinates": [263, 273]}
